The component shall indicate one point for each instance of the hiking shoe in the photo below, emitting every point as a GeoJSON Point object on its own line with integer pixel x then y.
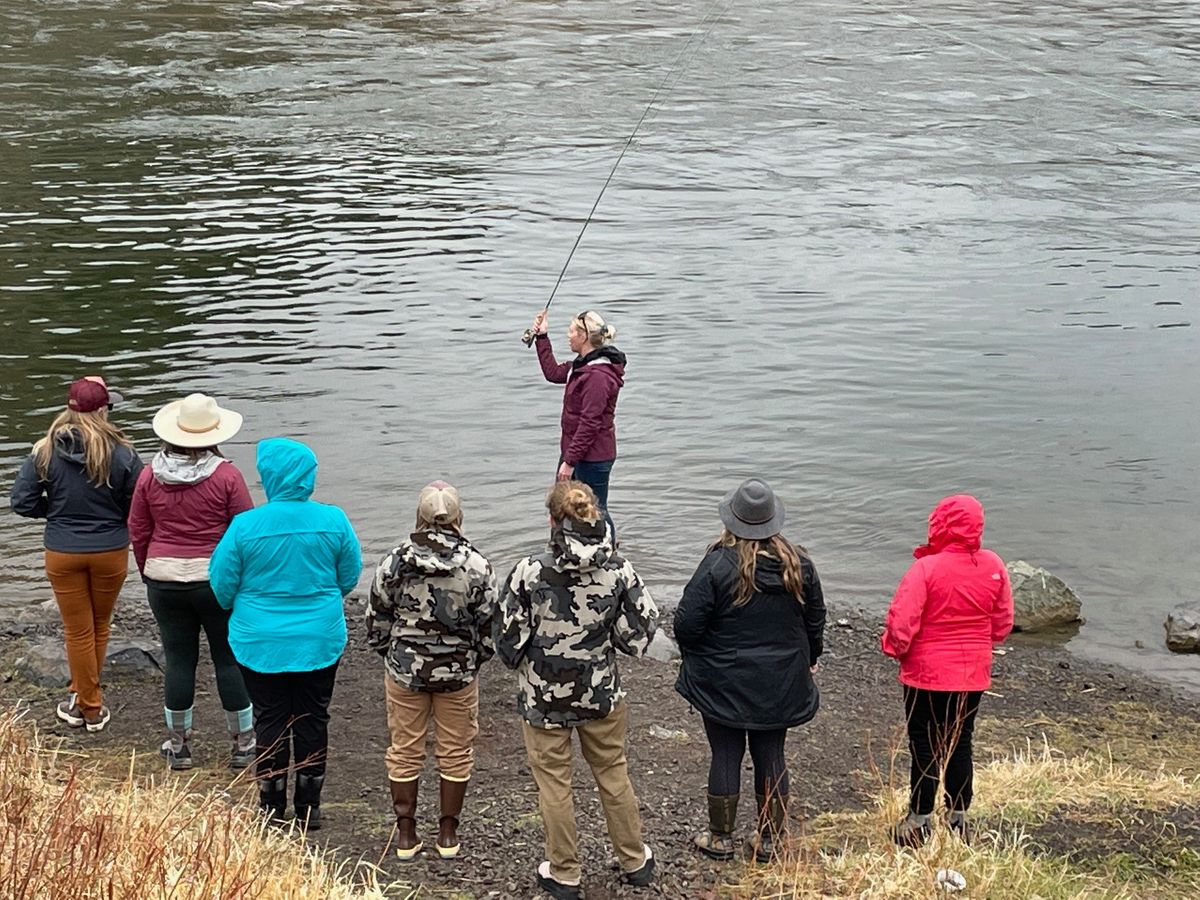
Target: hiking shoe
{"type": "Point", "coordinates": [557, 889]}
{"type": "Point", "coordinates": [179, 760]}
{"type": "Point", "coordinates": [716, 846]}
{"type": "Point", "coordinates": [642, 876]}
{"type": "Point", "coordinates": [960, 826]}
{"type": "Point", "coordinates": [911, 831]}
{"type": "Point", "coordinates": [97, 720]}
{"type": "Point", "coordinates": [68, 710]}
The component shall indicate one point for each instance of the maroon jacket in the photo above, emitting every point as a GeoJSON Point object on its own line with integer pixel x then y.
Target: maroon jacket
{"type": "Point", "coordinates": [589, 401]}
{"type": "Point", "coordinates": [184, 520]}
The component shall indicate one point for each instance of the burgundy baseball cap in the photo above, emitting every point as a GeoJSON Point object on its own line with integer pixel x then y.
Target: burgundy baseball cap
{"type": "Point", "coordinates": [90, 393]}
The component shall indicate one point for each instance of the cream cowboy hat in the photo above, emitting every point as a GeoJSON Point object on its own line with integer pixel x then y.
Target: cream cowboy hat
{"type": "Point", "coordinates": [196, 421]}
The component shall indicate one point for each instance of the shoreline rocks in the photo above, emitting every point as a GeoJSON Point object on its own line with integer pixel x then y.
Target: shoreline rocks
{"type": "Point", "coordinates": [1183, 629]}
{"type": "Point", "coordinates": [1041, 601]}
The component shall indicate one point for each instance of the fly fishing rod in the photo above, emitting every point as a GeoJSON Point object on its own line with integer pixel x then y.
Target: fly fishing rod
{"type": "Point", "coordinates": [676, 70]}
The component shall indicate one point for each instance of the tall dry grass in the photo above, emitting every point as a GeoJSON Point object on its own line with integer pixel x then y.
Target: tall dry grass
{"type": "Point", "coordinates": [70, 834]}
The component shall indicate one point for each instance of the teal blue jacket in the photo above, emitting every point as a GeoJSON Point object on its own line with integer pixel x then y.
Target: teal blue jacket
{"type": "Point", "coordinates": [284, 567]}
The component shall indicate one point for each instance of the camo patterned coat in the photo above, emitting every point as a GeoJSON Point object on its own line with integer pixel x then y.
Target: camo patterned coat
{"type": "Point", "coordinates": [430, 611]}
{"type": "Point", "coordinates": [563, 616]}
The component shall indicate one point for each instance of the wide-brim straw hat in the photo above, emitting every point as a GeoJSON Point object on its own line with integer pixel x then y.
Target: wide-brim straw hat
{"type": "Point", "coordinates": [752, 511]}
{"type": "Point", "coordinates": [196, 421]}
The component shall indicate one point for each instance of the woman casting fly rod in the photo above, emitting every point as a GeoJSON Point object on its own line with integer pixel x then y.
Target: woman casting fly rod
{"type": "Point", "coordinates": [593, 379]}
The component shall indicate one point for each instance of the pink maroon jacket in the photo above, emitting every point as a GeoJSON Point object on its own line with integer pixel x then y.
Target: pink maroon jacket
{"type": "Point", "coordinates": [951, 607]}
{"type": "Point", "coordinates": [184, 521]}
{"type": "Point", "coordinates": [589, 402]}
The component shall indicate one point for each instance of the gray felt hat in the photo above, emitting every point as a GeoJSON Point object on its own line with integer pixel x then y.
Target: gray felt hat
{"type": "Point", "coordinates": [752, 511]}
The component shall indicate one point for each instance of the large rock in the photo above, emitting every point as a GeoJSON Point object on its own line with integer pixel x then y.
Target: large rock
{"type": "Point", "coordinates": [1041, 601]}
{"type": "Point", "coordinates": [1183, 629]}
{"type": "Point", "coordinates": [662, 648]}
{"type": "Point", "coordinates": [43, 661]}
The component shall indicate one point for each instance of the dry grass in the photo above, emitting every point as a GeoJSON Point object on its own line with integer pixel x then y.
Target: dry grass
{"type": "Point", "coordinates": [849, 854]}
{"type": "Point", "coordinates": [69, 833]}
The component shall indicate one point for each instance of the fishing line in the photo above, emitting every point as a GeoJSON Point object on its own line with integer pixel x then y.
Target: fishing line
{"type": "Point", "coordinates": [711, 17]}
{"type": "Point", "coordinates": [1034, 69]}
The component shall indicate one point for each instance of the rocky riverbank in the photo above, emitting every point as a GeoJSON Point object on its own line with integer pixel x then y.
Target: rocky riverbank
{"type": "Point", "coordinates": [838, 762]}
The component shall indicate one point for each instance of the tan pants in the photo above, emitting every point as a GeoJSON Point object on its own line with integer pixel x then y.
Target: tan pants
{"type": "Point", "coordinates": [603, 745]}
{"type": "Point", "coordinates": [86, 586]}
{"type": "Point", "coordinates": [455, 723]}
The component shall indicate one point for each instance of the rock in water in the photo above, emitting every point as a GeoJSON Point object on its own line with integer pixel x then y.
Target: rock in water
{"type": "Point", "coordinates": [1040, 600]}
{"type": "Point", "coordinates": [1183, 630]}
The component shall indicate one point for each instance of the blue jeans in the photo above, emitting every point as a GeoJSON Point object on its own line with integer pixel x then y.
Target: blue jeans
{"type": "Point", "coordinates": [595, 475]}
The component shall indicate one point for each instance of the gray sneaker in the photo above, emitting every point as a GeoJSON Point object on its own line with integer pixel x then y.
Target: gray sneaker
{"type": "Point", "coordinates": [68, 710]}
{"type": "Point", "coordinates": [179, 760]}
{"type": "Point", "coordinates": [242, 759]}
{"type": "Point", "coordinates": [97, 721]}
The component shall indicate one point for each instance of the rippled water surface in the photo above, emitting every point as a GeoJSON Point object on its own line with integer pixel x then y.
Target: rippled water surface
{"type": "Point", "coordinates": [879, 252]}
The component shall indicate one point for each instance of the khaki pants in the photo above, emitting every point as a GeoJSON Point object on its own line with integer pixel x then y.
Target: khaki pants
{"type": "Point", "coordinates": [455, 722]}
{"type": "Point", "coordinates": [603, 745]}
{"type": "Point", "coordinates": [86, 586]}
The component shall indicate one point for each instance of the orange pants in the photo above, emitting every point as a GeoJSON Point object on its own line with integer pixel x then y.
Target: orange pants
{"type": "Point", "coordinates": [86, 587]}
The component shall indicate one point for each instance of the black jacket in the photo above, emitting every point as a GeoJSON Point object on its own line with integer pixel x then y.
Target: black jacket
{"type": "Point", "coordinates": [747, 667]}
{"type": "Point", "coordinates": [80, 517]}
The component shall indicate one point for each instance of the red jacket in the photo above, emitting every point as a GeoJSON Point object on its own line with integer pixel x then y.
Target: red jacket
{"type": "Point", "coordinates": [951, 606]}
{"type": "Point", "coordinates": [184, 520]}
{"type": "Point", "coordinates": [589, 401]}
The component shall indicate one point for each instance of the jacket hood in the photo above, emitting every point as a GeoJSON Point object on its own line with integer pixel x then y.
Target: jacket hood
{"type": "Point", "coordinates": [69, 445]}
{"type": "Point", "coordinates": [182, 469]}
{"type": "Point", "coordinates": [955, 522]}
{"type": "Point", "coordinates": [288, 469]}
{"type": "Point", "coordinates": [604, 359]}
{"type": "Point", "coordinates": [579, 546]}
{"type": "Point", "coordinates": [434, 552]}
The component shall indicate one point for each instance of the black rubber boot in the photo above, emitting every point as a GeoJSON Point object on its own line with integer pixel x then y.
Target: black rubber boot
{"type": "Point", "coordinates": [272, 798]}
{"type": "Point", "coordinates": [307, 801]}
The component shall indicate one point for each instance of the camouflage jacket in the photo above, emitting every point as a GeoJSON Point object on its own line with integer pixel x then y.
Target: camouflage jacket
{"type": "Point", "coordinates": [430, 611]}
{"type": "Point", "coordinates": [564, 614]}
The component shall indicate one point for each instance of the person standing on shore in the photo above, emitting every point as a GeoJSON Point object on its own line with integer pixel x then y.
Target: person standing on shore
{"type": "Point", "coordinates": [80, 479]}
{"type": "Point", "coordinates": [593, 379]}
{"type": "Point", "coordinates": [283, 568]}
{"type": "Point", "coordinates": [750, 628]}
{"type": "Point", "coordinates": [182, 506]}
{"type": "Point", "coordinates": [951, 608]}
{"type": "Point", "coordinates": [564, 615]}
{"type": "Point", "coordinates": [429, 614]}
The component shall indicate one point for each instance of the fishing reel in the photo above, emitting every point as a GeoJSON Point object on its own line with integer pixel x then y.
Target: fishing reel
{"type": "Point", "coordinates": [528, 337]}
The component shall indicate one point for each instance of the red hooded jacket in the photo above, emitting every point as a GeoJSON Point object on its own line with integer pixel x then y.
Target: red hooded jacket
{"type": "Point", "coordinates": [951, 607]}
{"type": "Point", "coordinates": [589, 401]}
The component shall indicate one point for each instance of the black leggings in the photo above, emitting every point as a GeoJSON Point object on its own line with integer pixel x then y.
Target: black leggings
{"type": "Point", "coordinates": [729, 747]}
{"type": "Point", "coordinates": [940, 727]}
{"type": "Point", "coordinates": [183, 610]}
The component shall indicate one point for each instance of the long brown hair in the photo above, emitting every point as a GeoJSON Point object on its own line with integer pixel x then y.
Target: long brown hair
{"type": "Point", "coordinates": [777, 546]}
{"type": "Point", "coordinates": [99, 437]}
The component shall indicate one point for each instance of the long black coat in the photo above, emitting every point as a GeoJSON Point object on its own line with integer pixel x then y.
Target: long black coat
{"type": "Point", "coordinates": [748, 666]}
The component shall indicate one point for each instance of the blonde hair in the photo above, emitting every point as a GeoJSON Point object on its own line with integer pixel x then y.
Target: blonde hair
{"type": "Point", "coordinates": [598, 332]}
{"type": "Point", "coordinates": [777, 546]}
{"type": "Point", "coordinates": [99, 437]}
{"type": "Point", "coordinates": [572, 501]}
{"type": "Point", "coordinates": [423, 524]}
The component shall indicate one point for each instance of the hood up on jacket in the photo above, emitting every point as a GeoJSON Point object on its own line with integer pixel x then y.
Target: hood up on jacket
{"type": "Point", "coordinates": [607, 359]}
{"type": "Point", "coordinates": [956, 521]}
{"type": "Point", "coordinates": [434, 552]}
{"type": "Point", "coordinates": [288, 469]}
{"type": "Point", "coordinates": [581, 547]}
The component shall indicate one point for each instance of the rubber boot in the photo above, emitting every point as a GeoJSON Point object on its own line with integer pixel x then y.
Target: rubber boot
{"type": "Point", "coordinates": [176, 749]}
{"type": "Point", "coordinates": [452, 793]}
{"type": "Point", "coordinates": [272, 798]}
{"type": "Point", "coordinates": [404, 804]}
{"type": "Point", "coordinates": [717, 842]}
{"type": "Point", "coordinates": [244, 749]}
{"type": "Point", "coordinates": [772, 820]}
{"type": "Point", "coordinates": [307, 801]}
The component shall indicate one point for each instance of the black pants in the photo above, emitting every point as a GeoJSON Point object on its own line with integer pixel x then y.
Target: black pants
{"type": "Point", "coordinates": [183, 610]}
{"type": "Point", "coordinates": [291, 708]}
{"type": "Point", "coordinates": [940, 727]}
{"type": "Point", "coordinates": [728, 747]}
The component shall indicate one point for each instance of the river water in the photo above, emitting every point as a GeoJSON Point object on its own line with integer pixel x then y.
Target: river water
{"type": "Point", "coordinates": [876, 252]}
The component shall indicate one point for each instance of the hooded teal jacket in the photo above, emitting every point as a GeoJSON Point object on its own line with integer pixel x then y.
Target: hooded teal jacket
{"type": "Point", "coordinates": [284, 567]}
